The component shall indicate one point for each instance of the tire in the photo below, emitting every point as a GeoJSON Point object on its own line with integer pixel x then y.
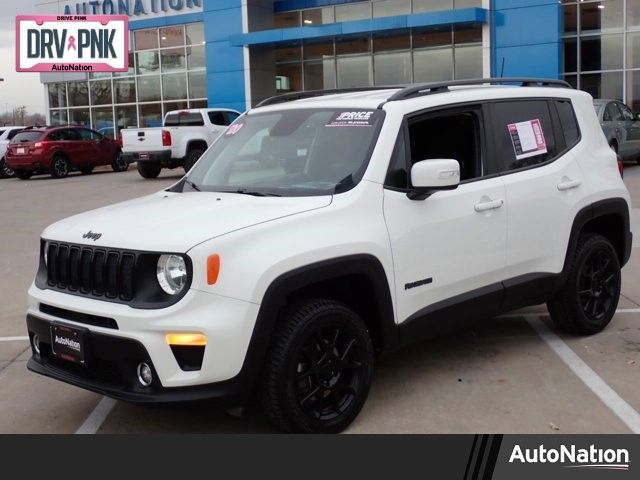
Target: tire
{"type": "Point", "coordinates": [149, 170]}
{"type": "Point", "coordinates": [60, 166]}
{"type": "Point", "coordinates": [319, 368]}
{"type": "Point", "coordinates": [589, 298]}
{"type": "Point", "coordinates": [192, 157]}
{"type": "Point", "coordinates": [23, 175]}
{"type": "Point", "coordinates": [5, 171]}
{"type": "Point", "coordinates": [638, 160]}
{"type": "Point", "coordinates": [119, 164]}
{"type": "Point", "coordinates": [86, 170]}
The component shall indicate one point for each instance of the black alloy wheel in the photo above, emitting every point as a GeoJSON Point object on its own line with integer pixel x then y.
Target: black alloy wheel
{"type": "Point", "coordinates": [5, 171]}
{"type": "Point", "coordinates": [119, 164]}
{"type": "Point", "coordinates": [319, 370]}
{"type": "Point", "coordinates": [60, 166]}
{"type": "Point", "coordinates": [598, 284]}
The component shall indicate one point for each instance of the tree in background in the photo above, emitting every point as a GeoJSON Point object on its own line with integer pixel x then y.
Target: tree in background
{"type": "Point", "coordinates": [20, 116]}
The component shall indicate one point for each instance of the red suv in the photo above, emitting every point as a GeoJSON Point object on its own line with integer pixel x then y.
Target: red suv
{"type": "Point", "coordinates": [59, 150]}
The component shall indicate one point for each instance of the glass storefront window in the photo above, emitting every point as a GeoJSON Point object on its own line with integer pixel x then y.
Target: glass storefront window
{"type": "Point", "coordinates": [171, 106]}
{"type": "Point", "coordinates": [100, 92]}
{"type": "Point", "coordinates": [633, 91]}
{"type": "Point", "coordinates": [286, 20]}
{"type": "Point", "coordinates": [132, 67]}
{"type": "Point", "coordinates": [318, 16]}
{"type": "Point", "coordinates": [389, 8]}
{"type": "Point", "coordinates": [102, 118]}
{"type": "Point", "coordinates": [173, 59]}
{"type": "Point", "coordinates": [352, 45]}
{"type": "Point", "coordinates": [600, 16]}
{"type": "Point", "coordinates": [467, 3]}
{"type": "Point", "coordinates": [433, 64]}
{"type": "Point", "coordinates": [79, 116]}
{"type": "Point", "coordinates": [195, 34]}
{"type": "Point", "coordinates": [125, 90]}
{"type": "Point", "coordinates": [633, 50]}
{"type": "Point", "coordinates": [570, 47]}
{"type": "Point", "coordinates": [57, 95]}
{"type": "Point", "coordinates": [146, 39]}
{"type": "Point", "coordinates": [391, 42]}
{"type": "Point", "coordinates": [289, 77]}
{"type": "Point", "coordinates": [174, 86]}
{"type": "Point", "coordinates": [392, 68]}
{"type": "Point", "coordinates": [197, 85]}
{"type": "Point", "coordinates": [432, 38]}
{"type": "Point", "coordinates": [289, 53]}
{"type": "Point", "coordinates": [147, 62]}
{"type": "Point", "coordinates": [78, 94]}
{"type": "Point", "coordinates": [467, 35]}
{"type": "Point", "coordinates": [354, 71]}
{"type": "Point", "coordinates": [633, 13]}
{"type": "Point", "coordinates": [172, 36]}
{"type": "Point", "coordinates": [198, 104]}
{"type": "Point", "coordinates": [353, 11]}
{"type": "Point", "coordinates": [195, 57]}
{"type": "Point", "coordinates": [150, 115]}
{"type": "Point", "coordinates": [468, 61]}
{"type": "Point", "coordinates": [149, 88]}
{"type": "Point", "coordinates": [318, 50]}
{"type": "Point", "coordinates": [601, 52]}
{"type": "Point", "coordinates": [602, 85]}
{"type": "Point", "coordinates": [58, 117]}
{"type": "Point", "coordinates": [320, 75]}
{"type": "Point", "coordinates": [570, 18]}
{"type": "Point", "coordinates": [431, 5]}
{"type": "Point", "coordinates": [126, 116]}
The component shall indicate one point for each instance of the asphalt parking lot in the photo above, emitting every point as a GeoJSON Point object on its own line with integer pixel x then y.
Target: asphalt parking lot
{"type": "Point", "coordinates": [512, 374]}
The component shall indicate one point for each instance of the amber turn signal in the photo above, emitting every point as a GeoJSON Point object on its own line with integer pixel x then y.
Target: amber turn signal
{"type": "Point", "coordinates": [213, 268]}
{"type": "Point", "coordinates": [186, 339]}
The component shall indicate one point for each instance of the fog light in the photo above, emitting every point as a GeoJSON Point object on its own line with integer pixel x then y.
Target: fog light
{"type": "Point", "coordinates": [145, 377]}
{"type": "Point", "coordinates": [36, 343]}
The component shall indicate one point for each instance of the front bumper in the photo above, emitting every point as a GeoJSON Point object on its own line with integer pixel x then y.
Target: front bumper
{"type": "Point", "coordinates": [112, 371]}
{"type": "Point", "coordinates": [139, 336]}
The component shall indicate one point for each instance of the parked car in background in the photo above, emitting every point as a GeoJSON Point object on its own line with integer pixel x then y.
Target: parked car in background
{"type": "Point", "coordinates": [621, 127]}
{"type": "Point", "coordinates": [59, 150]}
{"type": "Point", "coordinates": [6, 134]}
{"type": "Point", "coordinates": [180, 142]}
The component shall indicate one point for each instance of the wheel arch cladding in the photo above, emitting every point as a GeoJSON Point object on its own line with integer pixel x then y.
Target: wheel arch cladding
{"type": "Point", "coordinates": [197, 143]}
{"type": "Point", "coordinates": [359, 281]}
{"type": "Point", "coordinates": [609, 218]}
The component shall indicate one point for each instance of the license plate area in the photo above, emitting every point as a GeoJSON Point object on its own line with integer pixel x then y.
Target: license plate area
{"type": "Point", "coordinates": [143, 156]}
{"type": "Point", "coordinates": [69, 343]}
{"type": "Point", "coordinates": [21, 150]}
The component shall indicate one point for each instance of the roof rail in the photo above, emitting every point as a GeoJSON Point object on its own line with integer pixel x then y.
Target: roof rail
{"type": "Point", "coordinates": [289, 97]}
{"type": "Point", "coordinates": [439, 87]}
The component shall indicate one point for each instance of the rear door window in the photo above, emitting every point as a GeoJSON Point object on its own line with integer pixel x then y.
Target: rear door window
{"type": "Point", "coordinates": [612, 113]}
{"type": "Point", "coordinates": [568, 122]}
{"type": "Point", "coordinates": [184, 119]}
{"type": "Point", "coordinates": [13, 133]}
{"type": "Point", "coordinates": [231, 117]}
{"type": "Point", "coordinates": [523, 134]}
{"type": "Point", "coordinates": [218, 118]}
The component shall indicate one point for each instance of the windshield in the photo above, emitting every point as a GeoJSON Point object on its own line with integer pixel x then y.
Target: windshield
{"type": "Point", "coordinates": [297, 152]}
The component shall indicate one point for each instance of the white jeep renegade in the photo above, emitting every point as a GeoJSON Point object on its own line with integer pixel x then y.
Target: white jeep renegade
{"type": "Point", "coordinates": [325, 228]}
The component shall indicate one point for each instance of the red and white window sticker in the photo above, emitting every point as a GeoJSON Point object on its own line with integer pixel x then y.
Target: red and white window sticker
{"type": "Point", "coordinates": [527, 138]}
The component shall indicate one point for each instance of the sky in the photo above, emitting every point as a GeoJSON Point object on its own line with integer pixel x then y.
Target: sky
{"type": "Point", "coordinates": [18, 89]}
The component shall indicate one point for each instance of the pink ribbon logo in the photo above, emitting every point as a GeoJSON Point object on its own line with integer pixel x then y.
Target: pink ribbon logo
{"type": "Point", "coordinates": [72, 43]}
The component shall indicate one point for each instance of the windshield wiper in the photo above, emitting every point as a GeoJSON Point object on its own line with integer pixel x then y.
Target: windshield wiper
{"type": "Point", "coordinates": [245, 191]}
{"type": "Point", "coordinates": [192, 185]}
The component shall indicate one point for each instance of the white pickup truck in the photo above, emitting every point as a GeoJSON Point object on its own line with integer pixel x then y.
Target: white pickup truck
{"type": "Point", "coordinates": [184, 136]}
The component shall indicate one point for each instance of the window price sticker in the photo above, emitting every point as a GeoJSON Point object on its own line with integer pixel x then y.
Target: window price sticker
{"type": "Point", "coordinates": [527, 138]}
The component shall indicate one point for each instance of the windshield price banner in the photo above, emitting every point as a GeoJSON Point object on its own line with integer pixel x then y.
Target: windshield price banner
{"type": "Point", "coordinates": [76, 43]}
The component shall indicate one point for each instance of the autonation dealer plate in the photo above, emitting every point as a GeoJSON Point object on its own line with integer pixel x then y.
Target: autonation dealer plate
{"type": "Point", "coordinates": [78, 43]}
{"type": "Point", "coordinates": [68, 343]}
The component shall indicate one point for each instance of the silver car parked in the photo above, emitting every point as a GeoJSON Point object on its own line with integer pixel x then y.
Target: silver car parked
{"type": "Point", "coordinates": [621, 127]}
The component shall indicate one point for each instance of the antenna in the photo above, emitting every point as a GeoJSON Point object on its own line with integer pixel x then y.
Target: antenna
{"type": "Point", "coordinates": [502, 68]}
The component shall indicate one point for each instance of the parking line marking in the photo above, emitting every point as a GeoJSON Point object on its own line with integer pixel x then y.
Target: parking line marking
{"type": "Point", "coordinates": [624, 411]}
{"type": "Point", "coordinates": [13, 339]}
{"type": "Point", "coordinates": [534, 315]}
{"type": "Point", "coordinates": [97, 417]}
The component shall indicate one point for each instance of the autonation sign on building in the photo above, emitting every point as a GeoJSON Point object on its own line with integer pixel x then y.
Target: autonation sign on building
{"type": "Point", "coordinates": [129, 7]}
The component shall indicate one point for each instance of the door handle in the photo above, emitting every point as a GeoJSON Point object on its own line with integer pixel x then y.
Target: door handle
{"type": "Point", "coordinates": [488, 205]}
{"type": "Point", "coordinates": [568, 184]}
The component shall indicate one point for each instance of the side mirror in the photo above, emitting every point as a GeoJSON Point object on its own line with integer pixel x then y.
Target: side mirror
{"type": "Point", "coordinates": [430, 176]}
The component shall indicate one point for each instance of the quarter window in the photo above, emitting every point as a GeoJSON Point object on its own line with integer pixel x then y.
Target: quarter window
{"type": "Point", "coordinates": [524, 135]}
{"type": "Point", "coordinates": [568, 122]}
{"type": "Point", "coordinates": [612, 113]}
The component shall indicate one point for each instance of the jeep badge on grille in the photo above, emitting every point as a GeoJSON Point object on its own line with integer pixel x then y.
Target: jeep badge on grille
{"type": "Point", "coordinates": [91, 235]}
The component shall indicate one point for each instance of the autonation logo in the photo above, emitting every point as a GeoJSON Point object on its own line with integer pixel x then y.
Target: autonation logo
{"type": "Point", "coordinates": [574, 457]}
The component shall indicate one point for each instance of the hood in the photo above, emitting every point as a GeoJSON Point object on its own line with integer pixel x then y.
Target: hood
{"type": "Point", "coordinates": [175, 222]}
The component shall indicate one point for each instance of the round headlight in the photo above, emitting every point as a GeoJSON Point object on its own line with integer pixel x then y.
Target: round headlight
{"type": "Point", "coordinates": [171, 273]}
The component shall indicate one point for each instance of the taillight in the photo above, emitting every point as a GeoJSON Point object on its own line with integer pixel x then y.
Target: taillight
{"type": "Point", "coordinates": [39, 144]}
{"type": "Point", "coordinates": [166, 138]}
{"type": "Point", "coordinates": [621, 168]}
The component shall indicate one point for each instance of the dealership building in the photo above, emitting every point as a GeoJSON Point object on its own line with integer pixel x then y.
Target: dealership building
{"type": "Point", "coordinates": [234, 53]}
